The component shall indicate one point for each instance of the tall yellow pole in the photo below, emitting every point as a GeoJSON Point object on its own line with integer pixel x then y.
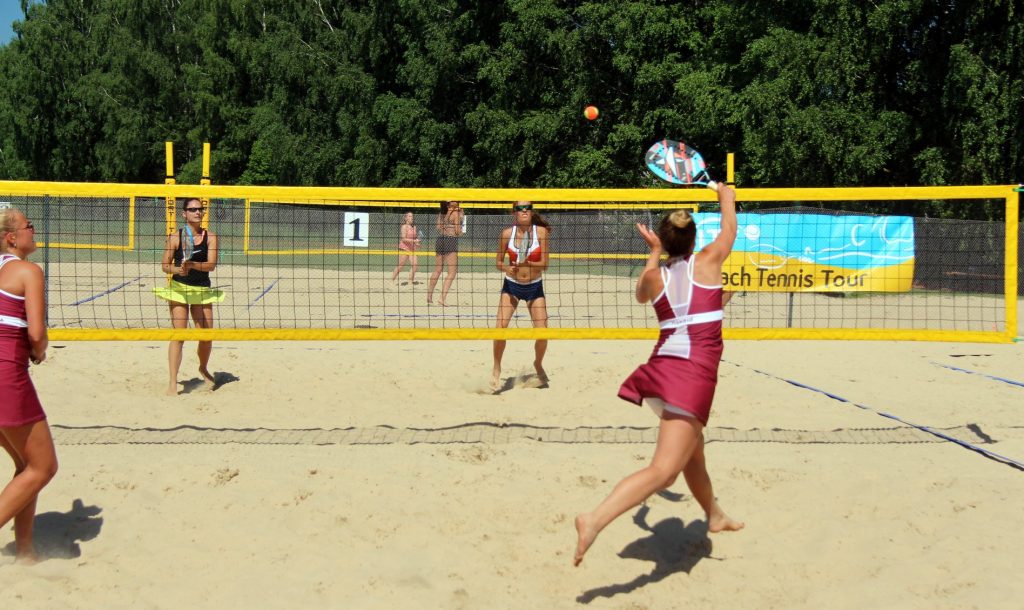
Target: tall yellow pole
{"type": "Point", "coordinates": [730, 168]}
{"type": "Point", "coordinates": [204, 181]}
{"type": "Point", "coordinates": [169, 179]}
{"type": "Point", "coordinates": [1011, 263]}
{"type": "Point", "coordinates": [169, 202]}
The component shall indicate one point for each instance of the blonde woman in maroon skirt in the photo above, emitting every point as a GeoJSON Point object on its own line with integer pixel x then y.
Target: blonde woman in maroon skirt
{"type": "Point", "coordinates": [678, 381]}
{"type": "Point", "coordinates": [24, 432]}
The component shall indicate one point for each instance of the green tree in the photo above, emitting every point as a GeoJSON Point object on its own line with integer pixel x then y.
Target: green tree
{"type": "Point", "coordinates": [490, 93]}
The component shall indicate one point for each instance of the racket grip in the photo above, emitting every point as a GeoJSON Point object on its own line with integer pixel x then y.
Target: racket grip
{"type": "Point", "coordinates": [713, 185]}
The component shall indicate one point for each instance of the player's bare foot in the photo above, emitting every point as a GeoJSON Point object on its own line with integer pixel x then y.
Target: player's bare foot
{"type": "Point", "coordinates": [496, 380]}
{"type": "Point", "coordinates": [208, 379]}
{"type": "Point", "coordinates": [26, 558]}
{"type": "Point", "coordinates": [541, 373]}
{"type": "Point", "coordinates": [718, 521]}
{"type": "Point", "coordinates": [442, 303]}
{"type": "Point", "coordinates": [172, 390]}
{"type": "Point", "coordinates": [585, 536]}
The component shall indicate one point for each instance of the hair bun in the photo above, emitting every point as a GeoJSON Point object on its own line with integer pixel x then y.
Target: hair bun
{"type": "Point", "coordinates": [680, 219]}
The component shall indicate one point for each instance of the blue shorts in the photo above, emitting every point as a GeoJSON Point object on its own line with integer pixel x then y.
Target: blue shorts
{"type": "Point", "coordinates": [524, 292]}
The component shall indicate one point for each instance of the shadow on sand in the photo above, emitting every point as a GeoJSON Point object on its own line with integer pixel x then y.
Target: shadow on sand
{"type": "Point", "coordinates": [220, 378]}
{"type": "Point", "coordinates": [672, 546]}
{"type": "Point", "coordinates": [527, 380]}
{"type": "Point", "coordinates": [56, 535]}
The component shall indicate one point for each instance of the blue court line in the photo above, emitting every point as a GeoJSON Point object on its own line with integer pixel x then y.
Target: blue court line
{"type": "Point", "coordinates": [1004, 380]}
{"type": "Point", "coordinates": [105, 292]}
{"type": "Point", "coordinates": [989, 454]}
{"type": "Point", "coordinates": [264, 293]}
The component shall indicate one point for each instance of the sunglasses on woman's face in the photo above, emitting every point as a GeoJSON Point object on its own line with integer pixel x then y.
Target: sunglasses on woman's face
{"type": "Point", "coordinates": [194, 209]}
{"type": "Point", "coordinates": [522, 208]}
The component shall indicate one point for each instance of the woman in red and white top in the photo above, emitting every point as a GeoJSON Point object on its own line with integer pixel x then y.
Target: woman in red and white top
{"type": "Point", "coordinates": [24, 432]}
{"type": "Point", "coordinates": [525, 244]}
{"type": "Point", "coordinates": [678, 381]}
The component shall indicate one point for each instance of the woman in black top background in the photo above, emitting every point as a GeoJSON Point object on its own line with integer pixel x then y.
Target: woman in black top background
{"type": "Point", "coordinates": [190, 291]}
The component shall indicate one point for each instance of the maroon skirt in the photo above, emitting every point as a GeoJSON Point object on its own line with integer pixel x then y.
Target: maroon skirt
{"type": "Point", "coordinates": [19, 403]}
{"type": "Point", "coordinates": [677, 381]}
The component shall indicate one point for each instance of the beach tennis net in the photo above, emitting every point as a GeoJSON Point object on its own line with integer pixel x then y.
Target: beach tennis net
{"type": "Point", "coordinates": [304, 263]}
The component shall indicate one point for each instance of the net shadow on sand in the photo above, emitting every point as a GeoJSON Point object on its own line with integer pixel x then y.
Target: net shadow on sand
{"type": "Point", "coordinates": [486, 432]}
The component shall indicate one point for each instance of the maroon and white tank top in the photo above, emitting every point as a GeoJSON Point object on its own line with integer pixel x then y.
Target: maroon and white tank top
{"type": "Point", "coordinates": [690, 316]}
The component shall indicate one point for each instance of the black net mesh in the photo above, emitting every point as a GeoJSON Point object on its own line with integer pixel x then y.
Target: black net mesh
{"type": "Point", "coordinates": [312, 264]}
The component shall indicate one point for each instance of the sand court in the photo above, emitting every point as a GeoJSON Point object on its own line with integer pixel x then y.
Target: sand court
{"type": "Point", "coordinates": [383, 474]}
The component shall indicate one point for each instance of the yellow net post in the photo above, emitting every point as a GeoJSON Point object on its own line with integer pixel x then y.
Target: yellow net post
{"type": "Point", "coordinates": [205, 181]}
{"type": "Point", "coordinates": [169, 201]}
{"type": "Point", "coordinates": [1011, 263]}
{"type": "Point", "coordinates": [131, 222]}
{"type": "Point", "coordinates": [730, 168]}
{"type": "Point", "coordinates": [169, 179]}
{"type": "Point", "coordinates": [246, 226]}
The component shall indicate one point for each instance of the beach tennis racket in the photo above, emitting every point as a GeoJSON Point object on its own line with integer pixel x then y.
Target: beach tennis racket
{"type": "Point", "coordinates": [523, 248]}
{"type": "Point", "coordinates": [188, 244]}
{"type": "Point", "coordinates": [676, 163]}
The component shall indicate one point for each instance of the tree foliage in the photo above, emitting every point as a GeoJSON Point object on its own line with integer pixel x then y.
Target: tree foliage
{"type": "Point", "coordinates": [490, 92]}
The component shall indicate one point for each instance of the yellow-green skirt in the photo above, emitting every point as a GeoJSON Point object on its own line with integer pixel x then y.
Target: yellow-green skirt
{"type": "Point", "coordinates": [177, 292]}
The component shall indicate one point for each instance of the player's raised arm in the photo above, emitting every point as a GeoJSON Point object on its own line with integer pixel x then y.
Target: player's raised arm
{"type": "Point", "coordinates": [718, 250]}
{"type": "Point", "coordinates": [649, 283]}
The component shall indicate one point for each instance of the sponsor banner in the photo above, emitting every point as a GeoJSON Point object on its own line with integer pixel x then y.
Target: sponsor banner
{"type": "Point", "coordinates": [787, 252]}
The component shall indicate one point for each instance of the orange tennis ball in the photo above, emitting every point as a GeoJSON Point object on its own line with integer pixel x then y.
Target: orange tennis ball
{"type": "Point", "coordinates": [591, 113]}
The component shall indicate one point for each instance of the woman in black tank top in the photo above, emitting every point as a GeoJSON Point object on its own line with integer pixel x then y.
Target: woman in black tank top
{"type": "Point", "coordinates": [190, 292]}
{"type": "Point", "coordinates": [200, 254]}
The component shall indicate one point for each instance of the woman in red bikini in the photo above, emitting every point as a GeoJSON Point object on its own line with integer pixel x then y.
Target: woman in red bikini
{"type": "Point", "coordinates": [525, 244]}
{"type": "Point", "coordinates": [678, 381]}
{"type": "Point", "coordinates": [408, 241]}
{"type": "Point", "coordinates": [24, 432]}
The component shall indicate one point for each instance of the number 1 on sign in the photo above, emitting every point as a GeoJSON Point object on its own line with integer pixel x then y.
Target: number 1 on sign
{"type": "Point", "coordinates": [357, 226]}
